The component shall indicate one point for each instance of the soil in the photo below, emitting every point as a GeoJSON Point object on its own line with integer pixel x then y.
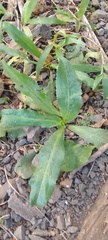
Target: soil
{"type": "Point", "coordinates": [78, 208]}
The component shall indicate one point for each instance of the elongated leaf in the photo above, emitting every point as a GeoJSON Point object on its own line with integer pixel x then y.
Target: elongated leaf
{"type": "Point", "coordinates": [2, 9]}
{"type": "Point", "coordinates": [87, 68]}
{"type": "Point", "coordinates": [68, 91]}
{"type": "Point", "coordinates": [42, 59]}
{"type": "Point", "coordinates": [24, 167]}
{"type": "Point", "coordinates": [28, 8]}
{"type": "Point", "coordinates": [21, 39]}
{"type": "Point", "coordinates": [97, 80]}
{"type": "Point", "coordinates": [12, 118]}
{"type": "Point", "coordinates": [84, 77]}
{"type": "Point", "coordinates": [30, 88]}
{"type": "Point", "coordinates": [46, 20]}
{"type": "Point", "coordinates": [11, 52]}
{"type": "Point", "coordinates": [105, 86]}
{"type": "Point", "coordinates": [97, 137]}
{"type": "Point", "coordinates": [75, 155]}
{"type": "Point", "coordinates": [44, 178]}
{"type": "Point", "coordinates": [83, 8]}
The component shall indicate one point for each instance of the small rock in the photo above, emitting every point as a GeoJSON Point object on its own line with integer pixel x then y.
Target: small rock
{"type": "Point", "coordinates": [77, 181]}
{"type": "Point", "coordinates": [56, 195]}
{"type": "Point", "coordinates": [15, 217]}
{"type": "Point", "coordinates": [44, 223]}
{"type": "Point", "coordinates": [22, 142]}
{"type": "Point", "coordinates": [67, 220]}
{"type": "Point", "coordinates": [99, 14]}
{"type": "Point", "coordinates": [100, 24]}
{"type": "Point", "coordinates": [95, 3]}
{"type": "Point", "coordinates": [7, 223]}
{"type": "Point", "coordinates": [33, 133]}
{"type": "Point", "coordinates": [106, 28]}
{"type": "Point", "coordinates": [101, 166]}
{"type": "Point", "coordinates": [85, 170]}
{"type": "Point", "coordinates": [23, 209]}
{"type": "Point", "coordinates": [32, 237]}
{"type": "Point", "coordinates": [20, 232]}
{"type": "Point", "coordinates": [4, 188]}
{"type": "Point", "coordinates": [72, 229]}
{"type": "Point", "coordinates": [40, 232]}
{"type": "Point", "coordinates": [60, 222]}
{"type": "Point", "coordinates": [7, 159]}
{"type": "Point", "coordinates": [105, 105]}
{"type": "Point", "coordinates": [66, 183]}
{"type": "Point", "coordinates": [107, 168]}
{"type": "Point", "coordinates": [90, 192]}
{"type": "Point", "coordinates": [101, 32]}
{"type": "Point", "coordinates": [17, 156]}
{"type": "Point", "coordinates": [92, 174]}
{"type": "Point", "coordinates": [74, 202]}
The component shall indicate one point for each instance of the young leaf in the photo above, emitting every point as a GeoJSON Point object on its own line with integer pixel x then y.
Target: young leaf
{"type": "Point", "coordinates": [21, 39]}
{"type": "Point", "coordinates": [97, 80]}
{"type": "Point", "coordinates": [27, 10]}
{"type": "Point", "coordinates": [12, 118]}
{"type": "Point", "coordinates": [47, 171]}
{"type": "Point", "coordinates": [75, 155]}
{"type": "Point", "coordinates": [24, 167]}
{"type": "Point", "coordinates": [97, 137]}
{"type": "Point", "coordinates": [68, 91]}
{"type": "Point", "coordinates": [83, 8]}
{"type": "Point", "coordinates": [84, 77]}
{"type": "Point", "coordinates": [46, 20]}
{"type": "Point", "coordinates": [105, 86]}
{"type": "Point", "coordinates": [11, 52]}
{"type": "Point", "coordinates": [42, 59]}
{"type": "Point", "coordinates": [30, 88]}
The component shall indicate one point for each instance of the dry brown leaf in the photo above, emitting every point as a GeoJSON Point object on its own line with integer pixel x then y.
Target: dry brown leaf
{"type": "Point", "coordinates": [90, 110]}
{"type": "Point", "coordinates": [41, 7]}
{"type": "Point", "coordinates": [98, 124]}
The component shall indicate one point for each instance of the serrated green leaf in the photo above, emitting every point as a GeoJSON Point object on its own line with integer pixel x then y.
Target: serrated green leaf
{"type": "Point", "coordinates": [68, 91]}
{"type": "Point", "coordinates": [24, 167]}
{"type": "Point", "coordinates": [30, 88]}
{"type": "Point", "coordinates": [42, 59]}
{"type": "Point", "coordinates": [97, 137]}
{"type": "Point", "coordinates": [75, 155]}
{"type": "Point", "coordinates": [11, 52]}
{"type": "Point", "coordinates": [21, 39]}
{"type": "Point", "coordinates": [105, 86]}
{"type": "Point", "coordinates": [46, 20]}
{"type": "Point", "coordinates": [87, 68]}
{"type": "Point", "coordinates": [28, 8]}
{"type": "Point", "coordinates": [44, 178]}
{"type": "Point", "coordinates": [12, 118]}
{"type": "Point", "coordinates": [83, 8]}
